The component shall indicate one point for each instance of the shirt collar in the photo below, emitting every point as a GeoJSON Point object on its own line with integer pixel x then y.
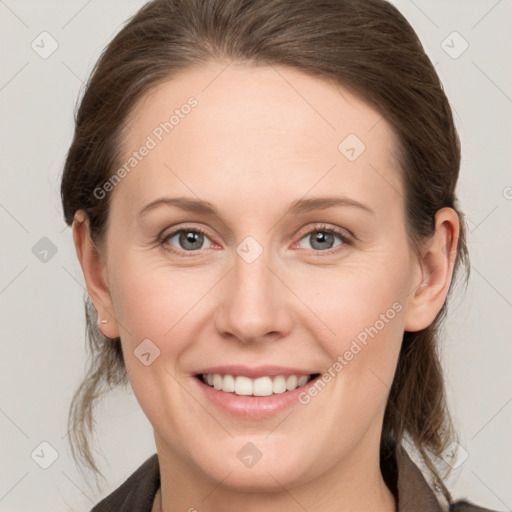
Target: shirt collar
{"type": "Point", "coordinates": [414, 494]}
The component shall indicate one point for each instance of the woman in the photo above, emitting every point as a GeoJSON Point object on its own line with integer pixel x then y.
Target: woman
{"type": "Point", "coordinates": [262, 201]}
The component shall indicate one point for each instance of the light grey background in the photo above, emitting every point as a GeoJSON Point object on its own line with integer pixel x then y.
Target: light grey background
{"type": "Point", "coordinates": [42, 324]}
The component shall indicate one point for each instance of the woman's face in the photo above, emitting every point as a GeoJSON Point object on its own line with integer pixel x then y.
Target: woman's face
{"type": "Point", "coordinates": [277, 247]}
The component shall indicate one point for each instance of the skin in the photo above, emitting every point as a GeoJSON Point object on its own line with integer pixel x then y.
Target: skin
{"type": "Point", "coordinates": [259, 139]}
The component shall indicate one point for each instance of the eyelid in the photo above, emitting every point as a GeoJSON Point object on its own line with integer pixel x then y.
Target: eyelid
{"type": "Point", "coordinates": [345, 234]}
{"type": "Point", "coordinates": [164, 234]}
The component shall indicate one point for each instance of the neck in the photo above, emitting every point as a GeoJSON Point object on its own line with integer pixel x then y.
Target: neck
{"type": "Point", "coordinates": [354, 484]}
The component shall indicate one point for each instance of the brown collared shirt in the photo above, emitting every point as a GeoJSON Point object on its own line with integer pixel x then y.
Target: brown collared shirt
{"type": "Point", "coordinates": [406, 481]}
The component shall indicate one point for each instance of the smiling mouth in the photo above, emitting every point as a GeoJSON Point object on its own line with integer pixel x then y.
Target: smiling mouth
{"type": "Point", "coordinates": [261, 386]}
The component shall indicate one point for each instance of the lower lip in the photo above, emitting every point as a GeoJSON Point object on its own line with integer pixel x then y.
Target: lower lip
{"type": "Point", "coordinates": [253, 407]}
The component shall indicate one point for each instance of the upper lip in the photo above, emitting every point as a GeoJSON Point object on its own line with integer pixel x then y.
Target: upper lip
{"type": "Point", "coordinates": [255, 371]}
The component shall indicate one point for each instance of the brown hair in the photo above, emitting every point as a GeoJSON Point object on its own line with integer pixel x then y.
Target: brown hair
{"type": "Point", "coordinates": [366, 46]}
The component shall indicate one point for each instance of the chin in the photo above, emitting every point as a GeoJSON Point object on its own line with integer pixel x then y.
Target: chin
{"type": "Point", "coordinates": [244, 467]}
{"type": "Point", "coordinates": [263, 477]}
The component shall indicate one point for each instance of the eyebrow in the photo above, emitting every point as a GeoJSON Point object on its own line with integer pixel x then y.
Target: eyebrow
{"type": "Point", "coordinates": [298, 206]}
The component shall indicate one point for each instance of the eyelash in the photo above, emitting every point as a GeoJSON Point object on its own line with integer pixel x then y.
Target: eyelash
{"type": "Point", "coordinates": [320, 228]}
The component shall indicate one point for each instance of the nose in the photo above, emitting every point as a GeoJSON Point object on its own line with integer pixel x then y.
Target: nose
{"type": "Point", "coordinates": [255, 304]}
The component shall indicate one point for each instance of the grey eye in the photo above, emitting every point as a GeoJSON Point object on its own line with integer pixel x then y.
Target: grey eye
{"type": "Point", "coordinates": [187, 240]}
{"type": "Point", "coordinates": [321, 240]}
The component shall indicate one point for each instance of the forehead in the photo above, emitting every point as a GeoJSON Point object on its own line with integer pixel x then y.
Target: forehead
{"type": "Point", "coordinates": [252, 126]}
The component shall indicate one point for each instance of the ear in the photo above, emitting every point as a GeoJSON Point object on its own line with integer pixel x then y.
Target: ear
{"type": "Point", "coordinates": [436, 266]}
{"type": "Point", "coordinates": [95, 274]}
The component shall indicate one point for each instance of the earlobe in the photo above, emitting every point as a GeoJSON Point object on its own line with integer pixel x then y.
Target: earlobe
{"type": "Point", "coordinates": [95, 275]}
{"type": "Point", "coordinates": [436, 268]}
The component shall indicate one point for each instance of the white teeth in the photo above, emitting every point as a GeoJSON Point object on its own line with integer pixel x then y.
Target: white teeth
{"type": "Point", "coordinates": [243, 386]}
{"type": "Point", "coordinates": [262, 386]}
{"type": "Point", "coordinates": [228, 384]}
{"type": "Point", "coordinates": [279, 384]}
{"type": "Point", "coordinates": [217, 381]}
{"type": "Point", "coordinates": [302, 380]}
{"type": "Point", "coordinates": [291, 382]}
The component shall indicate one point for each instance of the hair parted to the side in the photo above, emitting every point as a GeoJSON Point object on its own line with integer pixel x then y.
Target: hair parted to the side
{"type": "Point", "coordinates": [366, 46]}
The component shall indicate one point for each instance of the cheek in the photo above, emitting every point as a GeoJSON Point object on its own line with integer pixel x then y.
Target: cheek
{"type": "Point", "coordinates": [351, 394]}
{"type": "Point", "coordinates": [354, 297]}
{"type": "Point", "coordinates": [154, 301]}
{"type": "Point", "coordinates": [359, 320]}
